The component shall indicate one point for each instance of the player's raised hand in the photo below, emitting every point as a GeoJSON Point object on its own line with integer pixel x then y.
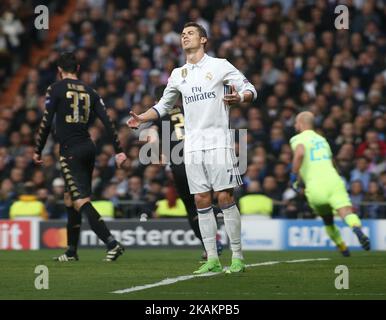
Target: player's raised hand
{"type": "Point", "coordinates": [120, 158]}
{"type": "Point", "coordinates": [134, 121]}
{"type": "Point", "coordinates": [233, 97]}
{"type": "Point", "coordinates": [37, 159]}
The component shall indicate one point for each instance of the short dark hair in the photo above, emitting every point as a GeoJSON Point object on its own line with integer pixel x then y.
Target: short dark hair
{"type": "Point", "coordinates": [67, 61]}
{"type": "Point", "coordinates": [200, 28]}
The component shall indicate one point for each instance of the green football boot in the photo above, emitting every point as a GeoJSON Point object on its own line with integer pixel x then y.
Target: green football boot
{"type": "Point", "coordinates": [212, 265]}
{"type": "Point", "coordinates": [237, 266]}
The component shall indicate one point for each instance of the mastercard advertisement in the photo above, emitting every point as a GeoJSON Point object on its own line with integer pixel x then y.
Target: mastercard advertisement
{"type": "Point", "coordinates": [54, 238]}
{"type": "Point", "coordinates": [53, 235]}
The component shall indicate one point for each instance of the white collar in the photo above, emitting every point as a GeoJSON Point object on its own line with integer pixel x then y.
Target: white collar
{"type": "Point", "coordinates": [199, 63]}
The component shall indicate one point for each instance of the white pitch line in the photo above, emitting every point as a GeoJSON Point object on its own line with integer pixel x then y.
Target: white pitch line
{"type": "Point", "coordinates": [168, 281]}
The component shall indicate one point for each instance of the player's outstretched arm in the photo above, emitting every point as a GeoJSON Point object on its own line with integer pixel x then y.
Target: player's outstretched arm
{"type": "Point", "coordinates": [135, 120]}
{"type": "Point", "coordinates": [166, 103]}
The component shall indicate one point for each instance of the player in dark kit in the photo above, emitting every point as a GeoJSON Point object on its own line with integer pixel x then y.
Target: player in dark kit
{"type": "Point", "coordinates": [76, 105]}
{"type": "Point", "coordinates": [174, 136]}
{"type": "Point", "coordinates": [174, 126]}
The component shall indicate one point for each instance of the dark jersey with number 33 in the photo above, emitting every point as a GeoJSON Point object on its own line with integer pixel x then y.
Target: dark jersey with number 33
{"type": "Point", "coordinates": [75, 105]}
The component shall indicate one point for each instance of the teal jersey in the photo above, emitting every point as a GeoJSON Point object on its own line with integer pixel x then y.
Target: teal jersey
{"type": "Point", "coordinates": [317, 161]}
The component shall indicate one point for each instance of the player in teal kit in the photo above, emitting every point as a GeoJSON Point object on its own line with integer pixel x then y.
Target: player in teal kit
{"type": "Point", "coordinates": [325, 189]}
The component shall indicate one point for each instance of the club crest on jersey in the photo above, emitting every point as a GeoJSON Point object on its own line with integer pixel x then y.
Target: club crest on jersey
{"type": "Point", "coordinates": [184, 73]}
{"type": "Point", "coordinates": [209, 76]}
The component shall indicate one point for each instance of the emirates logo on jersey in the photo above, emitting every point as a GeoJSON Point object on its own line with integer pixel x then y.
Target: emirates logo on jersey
{"type": "Point", "coordinates": [199, 95]}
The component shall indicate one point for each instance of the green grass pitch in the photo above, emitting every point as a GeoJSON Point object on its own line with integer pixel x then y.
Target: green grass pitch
{"type": "Point", "coordinates": [91, 278]}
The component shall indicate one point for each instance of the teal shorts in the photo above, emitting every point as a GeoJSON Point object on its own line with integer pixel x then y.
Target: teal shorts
{"type": "Point", "coordinates": [326, 197]}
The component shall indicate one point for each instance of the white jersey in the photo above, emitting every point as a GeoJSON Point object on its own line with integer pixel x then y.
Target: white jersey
{"type": "Point", "coordinates": [201, 86]}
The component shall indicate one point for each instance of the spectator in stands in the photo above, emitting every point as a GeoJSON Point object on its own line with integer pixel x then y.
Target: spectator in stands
{"type": "Point", "coordinates": [380, 126]}
{"type": "Point", "coordinates": [17, 178]}
{"type": "Point", "coordinates": [136, 193]}
{"type": "Point", "coordinates": [277, 139]}
{"type": "Point", "coordinates": [356, 196]}
{"type": "Point", "coordinates": [251, 174]}
{"type": "Point", "coordinates": [374, 194]}
{"type": "Point", "coordinates": [371, 137]}
{"type": "Point", "coordinates": [170, 207]}
{"type": "Point", "coordinates": [12, 29]}
{"type": "Point", "coordinates": [281, 175]}
{"type": "Point", "coordinates": [361, 173]}
{"type": "Point", "coordinates": [254, 202]}
{"type": "Point", "coordinates": [4, 127]}
{"type": "Point", "coordinates": [7, 196]}
{"type": "Point", "coordinates": [382, 180]}
{"type": "Point", "coordinates": [271, 191]}
{"type": "Point", "coordinates": [120, 179]}
{"type": "Point", "coordinates": [346, 135]}
{"type": "Point", "coordinates": [28, 206]}
{"type": "Point", "coordinates": [55, 206]}
{"type": "Point", "coordinates": [376, 161]}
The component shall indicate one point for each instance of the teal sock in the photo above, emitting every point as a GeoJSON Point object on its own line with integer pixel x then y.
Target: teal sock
{"type": "Point", "coordinates": [334, 234]}
{"type": "Point", "coordinates": [352, 220]}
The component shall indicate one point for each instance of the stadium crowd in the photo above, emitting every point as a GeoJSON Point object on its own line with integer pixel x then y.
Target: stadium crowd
{"type": "Point", "coordinates": [290, 51]}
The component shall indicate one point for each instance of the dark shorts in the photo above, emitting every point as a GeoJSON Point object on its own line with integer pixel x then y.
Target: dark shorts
{"type": "Point", "coordinates": [182, 187]}
{"type": "Point", "coordinates": [77, 164]}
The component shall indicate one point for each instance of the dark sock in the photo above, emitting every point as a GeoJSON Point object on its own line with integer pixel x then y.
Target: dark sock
{"type": "Point", "coordinates": [98, 225]}
{"type": "Point", "coordinates": [216, 211]}
{"type": "Point", "coordinates": [193, 222]}
{"type": "Point", "coordinates": [73, 230]}
{"type": "Point", "coordinates": [358, 231]}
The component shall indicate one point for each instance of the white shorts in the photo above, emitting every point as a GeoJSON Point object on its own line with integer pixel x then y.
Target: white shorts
{"type": "Point", "coordinates": [214, 169]}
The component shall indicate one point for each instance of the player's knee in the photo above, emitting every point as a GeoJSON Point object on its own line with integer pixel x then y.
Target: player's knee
{"type": "Point", "coordinates": [328, 219]}
{"type": "Point", "coordinates": [80, 202]}
{"type": "Point", "coordinates": [342, 212]}
{"type": "Point", "coordinates": [225, 198]}
{"type": "Point", "coordinates": [203, 200]}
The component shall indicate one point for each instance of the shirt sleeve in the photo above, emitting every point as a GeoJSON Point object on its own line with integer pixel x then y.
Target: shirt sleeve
{"type": "Point", "coordinates": [235, 77]}
{"type": "Point", "coordinates": [294, 142]}
{"type": "Point", "coordinates": [101, 113]}
{"type": "Point", "coordinates": [46, 123]}
{"type": "Point", "coordinates": [169, 97]}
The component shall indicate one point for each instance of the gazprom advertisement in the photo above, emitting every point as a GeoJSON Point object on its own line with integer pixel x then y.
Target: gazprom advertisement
{"type": "Point", "coordinates": [258, 234]}
{"type": "Point", "coordinates": [311, 234]}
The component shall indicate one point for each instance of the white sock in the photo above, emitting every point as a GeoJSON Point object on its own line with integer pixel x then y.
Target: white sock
{"type": "Point", "coordinates": [208, 229]}
{"type": "Point", "coordinates": [232, 223]}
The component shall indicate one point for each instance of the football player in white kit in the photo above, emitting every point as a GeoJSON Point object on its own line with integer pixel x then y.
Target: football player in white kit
{"type": "Point", "coordinates": [209, 152]}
